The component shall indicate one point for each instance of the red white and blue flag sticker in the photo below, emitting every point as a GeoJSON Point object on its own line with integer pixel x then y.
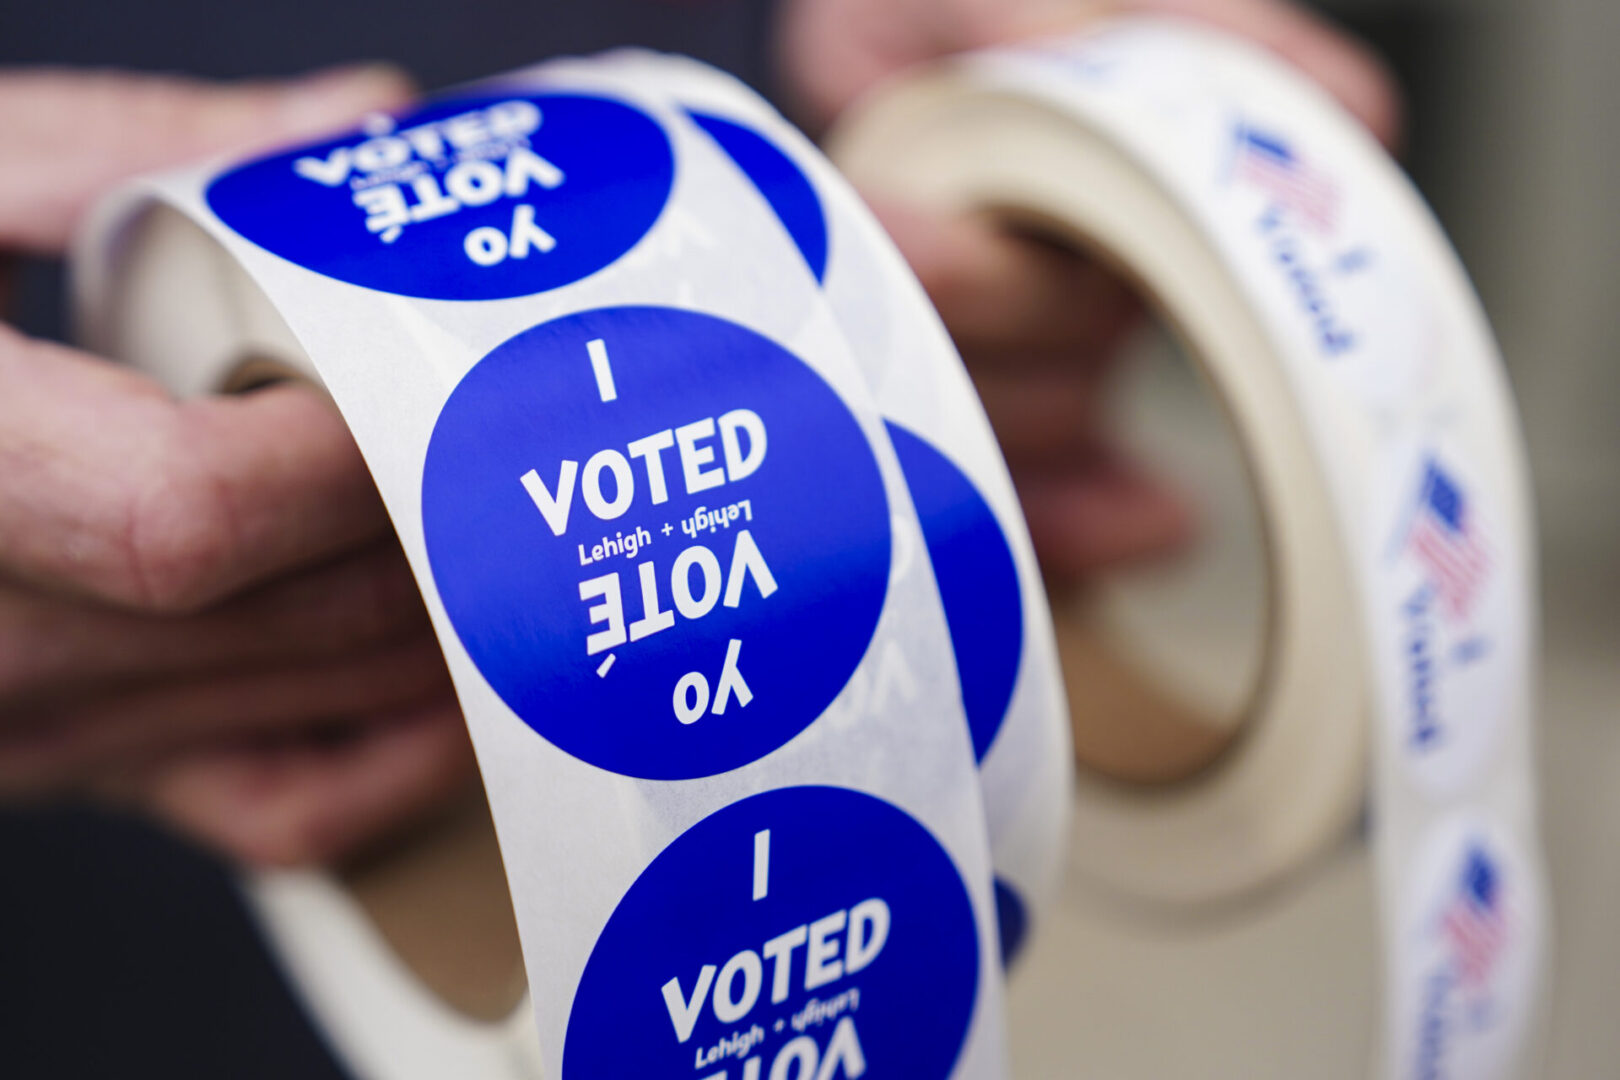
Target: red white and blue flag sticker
{"type": "Point", "coordinates": [1445, 539]}
{"type": "Point", "coordinates": [1472, 925]}
{"type": "Point", "coordinates": [1473, 942]}
{"type": "Point", "coordinates": [1457, 621]}
{"type": "Point", "coordinates": [1270, 163]}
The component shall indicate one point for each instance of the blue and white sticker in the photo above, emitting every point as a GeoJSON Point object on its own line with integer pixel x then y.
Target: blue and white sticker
{"type": "Point", "coordinates": [808, 933]}
{"type": "Point", "coordinates": [661, 537]}
{"type": "Point", "coordinates": [1468, 954]}
{"type": "Point", "coordinates": [1331, 271]}
{"type": "Point", "coordinates": [978, 581]}
{"type": "Point", "coordinates": [1457, 623]}
{"type": "Point", "coordinates": [465, 199]}
{"type": "Point", "coordinates": [791, 195]}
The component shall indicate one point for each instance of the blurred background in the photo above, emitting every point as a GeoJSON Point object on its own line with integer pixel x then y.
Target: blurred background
{"type": "Point", "coordinates": [125, 952]}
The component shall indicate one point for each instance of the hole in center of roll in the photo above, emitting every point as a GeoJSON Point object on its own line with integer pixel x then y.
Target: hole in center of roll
{"type": "Point", "coordinates": [1164, 658]}
{"type": "Point", "coordinates": [1165, 653]}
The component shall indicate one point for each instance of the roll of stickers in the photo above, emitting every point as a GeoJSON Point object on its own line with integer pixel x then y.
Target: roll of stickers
{"type": "Point", "coordinates": [1338, 332]}
{"type": "Point", "coordinates": [722, 555]}
{"type": "Point", "coordinates": [737, 769]}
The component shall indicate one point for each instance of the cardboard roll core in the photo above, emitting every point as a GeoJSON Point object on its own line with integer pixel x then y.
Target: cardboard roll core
{"type": "Point", "coordinates": [1165, 660]}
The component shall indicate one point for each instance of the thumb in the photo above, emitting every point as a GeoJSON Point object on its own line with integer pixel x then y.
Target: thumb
{"type": "Point", "coordinates": [71, 135]}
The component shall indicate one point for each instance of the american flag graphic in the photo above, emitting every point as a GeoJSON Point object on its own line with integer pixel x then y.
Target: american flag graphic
{"type": "Point", "coordinates": [1444, 539]}
{"type": "Point", "coordinates": [1473, 923]}
{"type": "Point", "coordinates": [1269, 163]}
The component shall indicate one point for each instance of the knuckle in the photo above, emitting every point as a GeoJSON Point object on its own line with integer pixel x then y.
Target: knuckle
{"type": "Point", "coordinates": [276, 836]}
{"type": "Point", "coordinates": [281, 847]}
{"type": "Point", "coordinates": [179, 540]}
{"type": "Point", "coordinates": [309, 837]}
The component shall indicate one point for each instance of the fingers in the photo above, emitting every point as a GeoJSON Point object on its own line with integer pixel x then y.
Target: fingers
{"type": "Point", "coordinates": [1102, 512]}
{"type": "Point", "coordinates": [1344, 67]}
{"type": "Point", "coordinates": [1043, 417]}
{"type": "Point", "coordinates": [71, 135]}
{"type": "Point", "coordinates": [1039, 327]}
{"type": "Point", "coordinates": [58, 744]}
{"type": "Point", "coordinates": [310, 800]}
{"type": "Point", "coordinates": [110, 490]}
{"type": "Point", "coordinates": [832, 51]}
{"type": "Point", "coordinates": [1088, 506]}
{"type": "Point", "coordinates": [50, 647]}
{"type": "Point", "coordinates": [1340, 63]}
{"type": "Point", "coordinates": [997, 289]}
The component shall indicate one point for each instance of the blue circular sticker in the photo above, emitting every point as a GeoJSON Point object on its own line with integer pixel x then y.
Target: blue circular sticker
{"type": "Point", "coordinates": [1012, 922]}
{"type": "Point", "coordinates": [801, 933]}
{"type": "Point", "coordinates": [466, 199]}
{"type": "Point", "coordinates": [662, 537]}
{"type": "Point", "coordinates": [977, 579]}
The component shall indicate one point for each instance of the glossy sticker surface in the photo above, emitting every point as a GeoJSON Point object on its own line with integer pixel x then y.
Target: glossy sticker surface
{"type": "Point", "coordinates": [466, 199]}
{"type": "Point", "coordinates": [801, 933]}
{"type": "Point", "coordinates": [788, 191]}
{"type": "Point", "coordinates": [978, 581]}
{"type": "Point", "coordinates": [662, 537]}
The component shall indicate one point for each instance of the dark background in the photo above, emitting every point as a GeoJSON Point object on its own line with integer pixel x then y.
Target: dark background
{"type": "Point", "coordinates": [124, 952]}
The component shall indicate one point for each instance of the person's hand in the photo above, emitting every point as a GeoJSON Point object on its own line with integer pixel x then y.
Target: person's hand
{"type": "Point", "coordinates": [1036, 325]}
{"type": "Point", "coordinates": [202, 605]}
